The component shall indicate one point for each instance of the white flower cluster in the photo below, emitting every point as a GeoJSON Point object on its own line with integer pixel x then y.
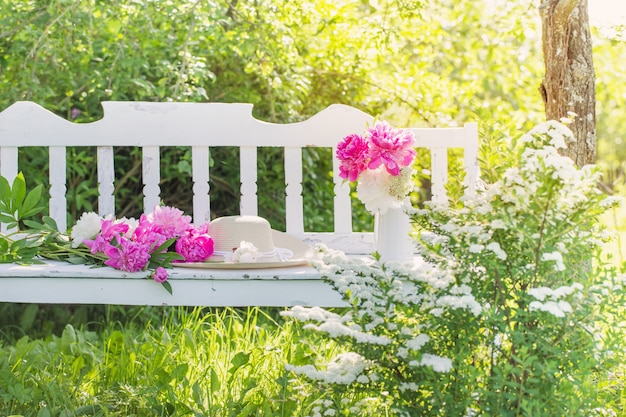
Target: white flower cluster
{"type": "Point", "coordinates": [478, 237]}
{"type": "Point", "coordinates": [344, 369]}
{"type": "Point", "coordinates": [551, 133]}
{"type": "Point", "coordinates": [550, 301]}
{"type": "Point", "coordinates": [386, 300]}
{"type": "Point", "coordinates": [555, 257]}
{"type": "Point", "coordinates": [455, 302]}
{"type": "Point", "coordinates": [437, 363]}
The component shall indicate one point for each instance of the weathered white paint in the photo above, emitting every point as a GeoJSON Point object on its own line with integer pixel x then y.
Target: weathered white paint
{"type": "Point", "coordinates": [199, 126]}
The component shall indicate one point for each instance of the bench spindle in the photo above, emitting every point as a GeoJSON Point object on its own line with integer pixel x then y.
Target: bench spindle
{"type": "Point", "coordinates": [58, 179]}
{"type": "Point", "coordinates": [200, 175]}
{"type": "Point", "coordinates": [342, 202]}
{"type": "Point", "coordinates": [106, 179]}
{"type": "Point", "coordinates": [439, 174]}
{"type": "Point", "coordinates": [248, 174]}
{"type": "Point", "coordinates": [293, 187]}
{"type": "Point", "coordinates": [151, 173]}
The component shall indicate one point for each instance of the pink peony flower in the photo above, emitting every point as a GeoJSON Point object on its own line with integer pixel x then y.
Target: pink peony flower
{"type": "Point", "coordinates": [353, 153]}
{"type": "Point", "coordinates": [109, 229]}
{"type": "Point", "coordinates": [160, 274]}
{"type": "Point", "coordinates": [170, 221]}
{"type": "Point", "coordinates": [148, 233]}
{"type": "Point", "coordinates": [195, 245]}
{"type": "Point", "coordinates": [129, 256]}
{"type": "Point", "coordinates": [390, 147]}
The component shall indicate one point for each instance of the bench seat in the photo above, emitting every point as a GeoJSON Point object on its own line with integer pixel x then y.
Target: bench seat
{"type": "Point", "coordinates": [62, 283]}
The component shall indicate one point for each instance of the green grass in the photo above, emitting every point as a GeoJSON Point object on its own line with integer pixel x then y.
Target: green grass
{"type": "Point", "coordinates": [172, 361]}
{"type": "Point", "coordinates": [195, 362]}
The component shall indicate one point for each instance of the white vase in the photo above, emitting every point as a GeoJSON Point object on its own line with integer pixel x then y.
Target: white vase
{"type": "Point", "coordinates": [391, 231]}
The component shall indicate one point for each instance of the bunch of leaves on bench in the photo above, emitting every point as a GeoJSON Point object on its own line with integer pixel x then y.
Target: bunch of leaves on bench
{"type": "Point", "coordinates": [31, 236]}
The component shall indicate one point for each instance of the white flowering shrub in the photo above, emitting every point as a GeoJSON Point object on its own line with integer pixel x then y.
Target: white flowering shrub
{"type": "Point", "coordinates": [512, 313]}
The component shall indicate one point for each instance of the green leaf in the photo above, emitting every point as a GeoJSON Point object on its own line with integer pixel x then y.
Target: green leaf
{"type": "Point", "coordinates": [29, 213]}
{"type": "Point", "coordinates": [4, 246]}
{"type": "Point", "coordinates": [28, 316]}
{"type": "Point", "coordinates": [29, 206]}
{"type": "Point", "coordinates": [34, 225]}
{"type": "Point", "coordinates": [215, 382]}
{"type": "Point", "coordinates": [167, 286]}
{"type": "Point", "coordinates": [18, 192]}
{"type": "Point", "coordinates": [50, 222]}
{"type": "Point", "coordinates": [179, 372]}
{"type": "Point", "coordinates": [239, 360]}
{"type": "Point", "coordinates": [5, 193]}
{"type": "Point", "coordinates": [5, 218]}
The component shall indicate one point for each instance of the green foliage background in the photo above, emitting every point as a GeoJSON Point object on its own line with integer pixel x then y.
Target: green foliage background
{"type": "Point", "coordinates": [423, 64]}
{"type": "Point", "coordinates": [427, 64]}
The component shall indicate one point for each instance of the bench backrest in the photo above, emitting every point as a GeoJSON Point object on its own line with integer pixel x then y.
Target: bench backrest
{"type": "Point", "coordinates": [203, 125]}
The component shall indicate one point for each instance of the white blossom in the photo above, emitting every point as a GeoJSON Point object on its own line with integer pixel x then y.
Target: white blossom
{"type": "Point", "coordinates": [557, 309]}
{"type": "Point", "coordinates": [556, 257]}
{"type": "Point", "coordinates": [437, 363]}
{"type": "Point", "coordinates": [497, 250]}
{"type": "Point", "coordinates": [476, 248]}
{"type": "Point", "coordinates": [540, 293]}
{"type": "Point", "coordinates": [334, 328]}
{"type": "Point", "coordinates": [344, 369]}
{"type": "Point", "coordinates": [418, 341]}
{"type": "Point", "coordinates": [380, 191]}
{"type": "Point", "coordinates": [301, 313]}
{"type": "Point", "coordinates": [86, 228]}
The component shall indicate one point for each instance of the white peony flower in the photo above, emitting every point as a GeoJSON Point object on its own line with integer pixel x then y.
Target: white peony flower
{"type": "Point", "coordinates": [380, 191]}
{"type": "Point", "coordinates": [87, 227]}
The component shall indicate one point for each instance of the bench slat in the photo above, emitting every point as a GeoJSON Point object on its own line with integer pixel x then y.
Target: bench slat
{"type": "Point", "coordinates": [151, 175]}
{"type": "Point", "coordinates": [293, 187]}
{"type": "Point", "coordinates": [201, 187]}
{"type": "Point", "coordinates": [439, 174]}
{"type": "Point", "coordinates": [62, 283]}
{"type": "Point", "coordinates": [58, 179]}
{"type": "Point", "coordinates": [470, 158]}
{"type": "Point", "coordinates": [106, 179]}
{"type": "Point", "coordinates": [342, 202]}
{"type": "Point", "coordinates": [248, 171]}
{"type": "Point", "coordinates": [163, 124]}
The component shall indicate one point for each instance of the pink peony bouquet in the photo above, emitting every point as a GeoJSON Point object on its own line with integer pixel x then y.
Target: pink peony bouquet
{"type": "Point", "coordinates": [137, 245]}
{"type": "Point", "coordinates": [381, 161]}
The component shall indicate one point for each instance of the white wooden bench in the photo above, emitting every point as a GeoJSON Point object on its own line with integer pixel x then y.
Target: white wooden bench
{"type": "Point", "coordinates": [199, 126]}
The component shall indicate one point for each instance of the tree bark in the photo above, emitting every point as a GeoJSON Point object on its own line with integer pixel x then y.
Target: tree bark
{"type": "Point", "coordinates": [569, 82]}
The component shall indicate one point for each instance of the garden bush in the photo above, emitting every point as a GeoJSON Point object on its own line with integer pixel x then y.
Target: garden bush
{"type": "Point", "coordinates": [514, 314]}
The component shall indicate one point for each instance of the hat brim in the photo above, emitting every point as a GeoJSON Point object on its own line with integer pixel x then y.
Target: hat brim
{"type": "Point", "coordinates": [302, 252]}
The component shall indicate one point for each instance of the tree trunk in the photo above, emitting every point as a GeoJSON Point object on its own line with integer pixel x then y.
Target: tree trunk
{"type": "Point", "coordinates": [569, 83]}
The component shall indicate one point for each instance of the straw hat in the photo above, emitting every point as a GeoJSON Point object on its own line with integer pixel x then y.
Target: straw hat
{"type": "Point", "coordinates": [249, 242]}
